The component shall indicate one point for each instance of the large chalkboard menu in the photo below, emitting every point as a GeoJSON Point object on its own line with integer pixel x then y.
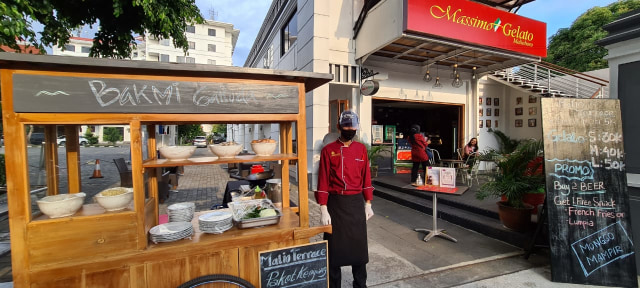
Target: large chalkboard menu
{"type": "Point", "coordinates": [295, 266]}
{"type": "Point", "coordinates": [590, 234]}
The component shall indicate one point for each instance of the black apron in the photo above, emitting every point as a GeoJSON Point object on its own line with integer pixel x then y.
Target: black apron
{"type": "Point", "coordinates": [348, 242]}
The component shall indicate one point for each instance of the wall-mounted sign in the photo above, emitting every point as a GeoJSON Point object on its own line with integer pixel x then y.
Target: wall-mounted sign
{"type": "Point", "coordinates": [96, 94]}
{"type": "Point", "coordinates": [369, 87]}
{"type": "Point", "coordinates": [366, 73]}
{"type": "Point", "coordinates": [476, 23]}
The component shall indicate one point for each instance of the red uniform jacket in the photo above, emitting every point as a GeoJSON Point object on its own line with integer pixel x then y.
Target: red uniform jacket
{"type": "Point", "coordinates": [418, 149]}
{"type": "Point", "coordinates": [344, 170]}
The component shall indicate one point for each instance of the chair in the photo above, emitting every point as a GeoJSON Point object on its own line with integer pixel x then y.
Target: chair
{"type": "Point", "coordinates": [435, 160]}
{"type": "Point", "coordinates": [459, 152]}
{"type": "Point", "coordinates": [470, 171]}
{"type": "Point", "coordinates": [125, 172]}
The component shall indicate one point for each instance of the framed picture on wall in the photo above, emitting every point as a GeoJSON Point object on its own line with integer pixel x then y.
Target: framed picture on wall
{"type": "Point", "coordinates": [488, 123]}
{"type": "Point", "coordinates": [488, 100]}
{"type": "Point", "coordinates": [532, 99]}
{"type": "Point", "coordinates": [496, 101]}
{"type": "Point", "coordinates": [532, 122]}
{"type": "Point", "coordinates": [496, 112]}
{"type": "Point", "coordinates": [481, 110]}
{"type": "Point", "coordinates": [518, 122]}
{"type": "Point", "coordinates": [488, 111]}
{"type": "Point", "coordinates": [480, 125]}
{"type": "Point", "coordinates": [533, 110]}
{"type": "Point", "coordinates": [518, 111]}
{"type": "Point", "coordinates": [495, 123]}
{"type": "Point", "coordinates": [518, 101]}
{"type": "Point", "coordinates": [480, 100]}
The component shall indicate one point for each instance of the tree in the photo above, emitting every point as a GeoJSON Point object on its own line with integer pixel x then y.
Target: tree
{"type": "Point", "coordinates": [189, 132]}
{"type": "Point", "coordinates": [220, 129]}
{"type": "Point", "coordinates": [575, 47]}
{"type": "Point", "coordinates": [111, 134]}
{"type": "Point", "coordinates": [93, 139]}
{"type": "Point", "coordinates": [117, 20]}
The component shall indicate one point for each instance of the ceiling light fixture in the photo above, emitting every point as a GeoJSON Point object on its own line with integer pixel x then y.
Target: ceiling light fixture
{"type": "Point", "coordinates": [437, 85]}
{"type": "Point", "coordinates": [427, 77]}
{"type": "Point", "coordinates": [457, 82]}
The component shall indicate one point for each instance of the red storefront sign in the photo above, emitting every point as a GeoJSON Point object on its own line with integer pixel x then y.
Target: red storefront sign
{"type": "Point", "coordinates": [476, 23]}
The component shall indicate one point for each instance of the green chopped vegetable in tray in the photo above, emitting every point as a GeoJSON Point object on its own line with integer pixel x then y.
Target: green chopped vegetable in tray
{"type": "Point", "coordinates": [260, 212]}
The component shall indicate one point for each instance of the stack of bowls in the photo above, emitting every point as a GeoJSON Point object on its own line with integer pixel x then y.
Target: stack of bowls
{"type": "Point", "coordinates": [216, 222]}
{"type": "Point", "coordinates": [181, 212]}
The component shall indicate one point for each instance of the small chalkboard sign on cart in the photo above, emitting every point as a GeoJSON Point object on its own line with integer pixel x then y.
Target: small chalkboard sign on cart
{"type": "Point", "coordinates": [295, 266]}
{"type": "Point", "coordinates": [587, 197]}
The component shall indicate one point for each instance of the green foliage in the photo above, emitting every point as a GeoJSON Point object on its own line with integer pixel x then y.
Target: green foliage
{"type": "Point", "coordinates": [3, 173]}
{"type": "Point", "coordinates": [118, 21]}
{"type": "Point", "coordinates": [515, 178]}
{"type": "Point", "coordinates": [111, 134]}
{"type": "Point", "coordinates": [92, 138]}
{"type": "Point", "coordinates": [507, 145]}
{"type": "Point", "coordinates": [375, 152]}
{"type": "Point", "coordinates": [190, 131]}
{"type": "Point", "coordinates": [575, 47]}
{"type": "Point", "coordinates": [220, 129]}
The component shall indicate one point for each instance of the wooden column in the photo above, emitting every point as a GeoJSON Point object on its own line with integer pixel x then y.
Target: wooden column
{"type": "Point", "coordinates": [51, 159]}
{"type": "Point", "coordinates": [138, 185]}
{"type": "Point", "coordinates": [153, 173]}
{"type": "Point", "coordinates": [73, 158]}
{"type": "Point", "coordinates": [285, 146]}
{"type": "Point", "coordinates": [17, 182]}
{"type": "Point", "coordinates": [303, 193]}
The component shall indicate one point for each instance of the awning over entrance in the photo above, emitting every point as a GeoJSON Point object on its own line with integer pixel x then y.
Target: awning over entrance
{"type": "Point", "coordinates": [391, 33]}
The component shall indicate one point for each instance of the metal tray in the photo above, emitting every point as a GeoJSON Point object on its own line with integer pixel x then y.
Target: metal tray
{"type": "Point", "coordinates": [240, 207]}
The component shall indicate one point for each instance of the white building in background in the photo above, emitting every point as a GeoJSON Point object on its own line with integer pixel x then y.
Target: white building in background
{"type": "Point", "coordinates": [212, 43]}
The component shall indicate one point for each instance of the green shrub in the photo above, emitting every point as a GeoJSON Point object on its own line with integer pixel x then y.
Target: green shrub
{"type": "Point", "coordinates": [93, 139]}
{"type": "Point", "coordinates": [112, 135]}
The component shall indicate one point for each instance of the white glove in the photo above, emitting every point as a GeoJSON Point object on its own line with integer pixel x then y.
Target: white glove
{"type": "Point", "coordinates": [325, 219]}
{"type": "Point", "coordinates": [368, 212]}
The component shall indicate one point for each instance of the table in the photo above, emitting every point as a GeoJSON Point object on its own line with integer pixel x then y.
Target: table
{"type": "Point", "coordinates": [435, 190]}
{"type": "Point", "coordinates": [452, 162]}
{"type": "Point", "coordinates": [231, 185]}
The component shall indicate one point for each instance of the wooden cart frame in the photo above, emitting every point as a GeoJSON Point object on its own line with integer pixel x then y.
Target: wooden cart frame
{"type": "Point", "coordinates": [95, 248]}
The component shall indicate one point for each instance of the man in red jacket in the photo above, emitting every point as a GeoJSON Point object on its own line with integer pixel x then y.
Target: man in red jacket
{"type": "Point", "coordinates": [344, 194]}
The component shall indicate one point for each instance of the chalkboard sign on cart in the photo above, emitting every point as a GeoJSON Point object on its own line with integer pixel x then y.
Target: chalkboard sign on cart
{"type": "Point", "coordinates": [589, 222]}
{"type": "Point", "coordinates": [295, 266]}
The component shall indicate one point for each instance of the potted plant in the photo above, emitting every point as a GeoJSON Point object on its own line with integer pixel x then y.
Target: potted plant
{"type": "Point", "coordinates": [374, 153]}
{"type": "Point", "coordinates": [516, 176]}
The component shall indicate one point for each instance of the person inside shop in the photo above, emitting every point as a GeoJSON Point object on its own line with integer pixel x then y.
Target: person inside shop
{"type": "Point", "coordinates": [419, 155]}
{"type": "Point", "coordinates": [344, 194]}
{"type": "Point", "coordinates": [470, 151]}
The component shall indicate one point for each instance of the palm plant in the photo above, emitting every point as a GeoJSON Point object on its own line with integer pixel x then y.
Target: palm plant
{"type": "Point", "coordinates": [517, 175]}
{"type": "Point", "coordinates": [507, 145]}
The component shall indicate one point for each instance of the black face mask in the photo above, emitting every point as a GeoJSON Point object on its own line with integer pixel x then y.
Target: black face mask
{"type": "Point", "coordinates": [347, 134]}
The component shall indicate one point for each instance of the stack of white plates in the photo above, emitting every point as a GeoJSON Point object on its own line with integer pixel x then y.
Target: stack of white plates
{"type": "Point", "coordinates": [172, 231]}
{"type": "Point", "coordinates": [181, 212]}
{"type": "Point", "coordinates": [215, 222]}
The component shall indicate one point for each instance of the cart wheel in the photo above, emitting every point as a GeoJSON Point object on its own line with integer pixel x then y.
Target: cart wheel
{"type": "Point", "coordinates": [217, 278]}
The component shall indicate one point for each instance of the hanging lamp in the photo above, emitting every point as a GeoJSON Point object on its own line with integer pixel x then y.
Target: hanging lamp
{"type": "Point", "coordinates": [457, 82]}
{"type": "Point", "coordinates": [473, 73]}
{"type": "Point", "coordinates": [427, 77]}
{"type": "Point", "coordinates": [437, 85]}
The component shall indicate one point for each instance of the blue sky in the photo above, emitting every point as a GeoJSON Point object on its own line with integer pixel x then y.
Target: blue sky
{"type": "Point", "coordinates": [247, 16]}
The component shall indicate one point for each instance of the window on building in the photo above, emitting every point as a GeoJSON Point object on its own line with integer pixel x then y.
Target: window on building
{"type": "Point", "coordinates": [191, 29]}
{"type": "Point", "coordinates": [164, 58]}
{"type": "Point", "coordinates": [345, 75]}
{"type": "Point", "coordinates": [212, 47]}
{"type": "Point", "coordinates": [190, 60]}
{"type": "Point", "coordinates": [336, 75]}
{"type": "Point", "coordinates": [135, 54]}
{"type": "Point", "coordinates": [192, 45]}
{"type": "Point", "coordinates": [180, 59]}
{"type": "Point", "coordinates": [354, 73]}
{"type": "Point", "coordinates": [212, 32]}
{"type": "Point", "coordinates": [165, 42]}
{"type": "Point", "coordinates": [85, 49]}
{"type": "Point", "coordinates": [71, 48]}
{"type": "Point", "coordinates": [289, 34]}
{"type": "Point", "coordinates": [211, 61]}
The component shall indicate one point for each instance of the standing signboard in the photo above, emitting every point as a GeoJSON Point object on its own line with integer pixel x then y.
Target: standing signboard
{"type": "Point", "coordinates": [587, 198]}
{"type": "Point", "coordinates": [295, 266]}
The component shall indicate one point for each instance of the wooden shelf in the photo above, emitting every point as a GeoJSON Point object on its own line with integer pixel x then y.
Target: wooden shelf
{"type": "Point", "coordinates": [216, 160]}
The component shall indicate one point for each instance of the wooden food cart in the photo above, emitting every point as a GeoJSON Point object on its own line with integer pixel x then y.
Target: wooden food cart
{"type": "Point", "coordinates": [96, 248]}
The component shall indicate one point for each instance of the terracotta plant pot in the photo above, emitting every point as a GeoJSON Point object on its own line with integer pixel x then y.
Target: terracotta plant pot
{"type": "Point", "coordinates": [534, 199]}
{"type": "Point", "coordinates": [517, 219]}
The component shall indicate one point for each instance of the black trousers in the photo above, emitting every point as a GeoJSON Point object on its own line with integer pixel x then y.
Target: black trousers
{"type": "Point", "coordinates": [416, 167]}
{"type": "Point", "coordinates": [359, 276]}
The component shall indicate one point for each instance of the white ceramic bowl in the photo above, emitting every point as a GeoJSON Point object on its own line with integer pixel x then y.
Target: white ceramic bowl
{"type": "Point", "coordinates": [117, 202]}
{"type": "Point", "coordinates": [174, 153]}
{"type": "Point", "coordinates": [225, 151]}
{"type": "Point", "coordinates": [264, 149]}
{"type": "Point", "coordinates": [61, 205]}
